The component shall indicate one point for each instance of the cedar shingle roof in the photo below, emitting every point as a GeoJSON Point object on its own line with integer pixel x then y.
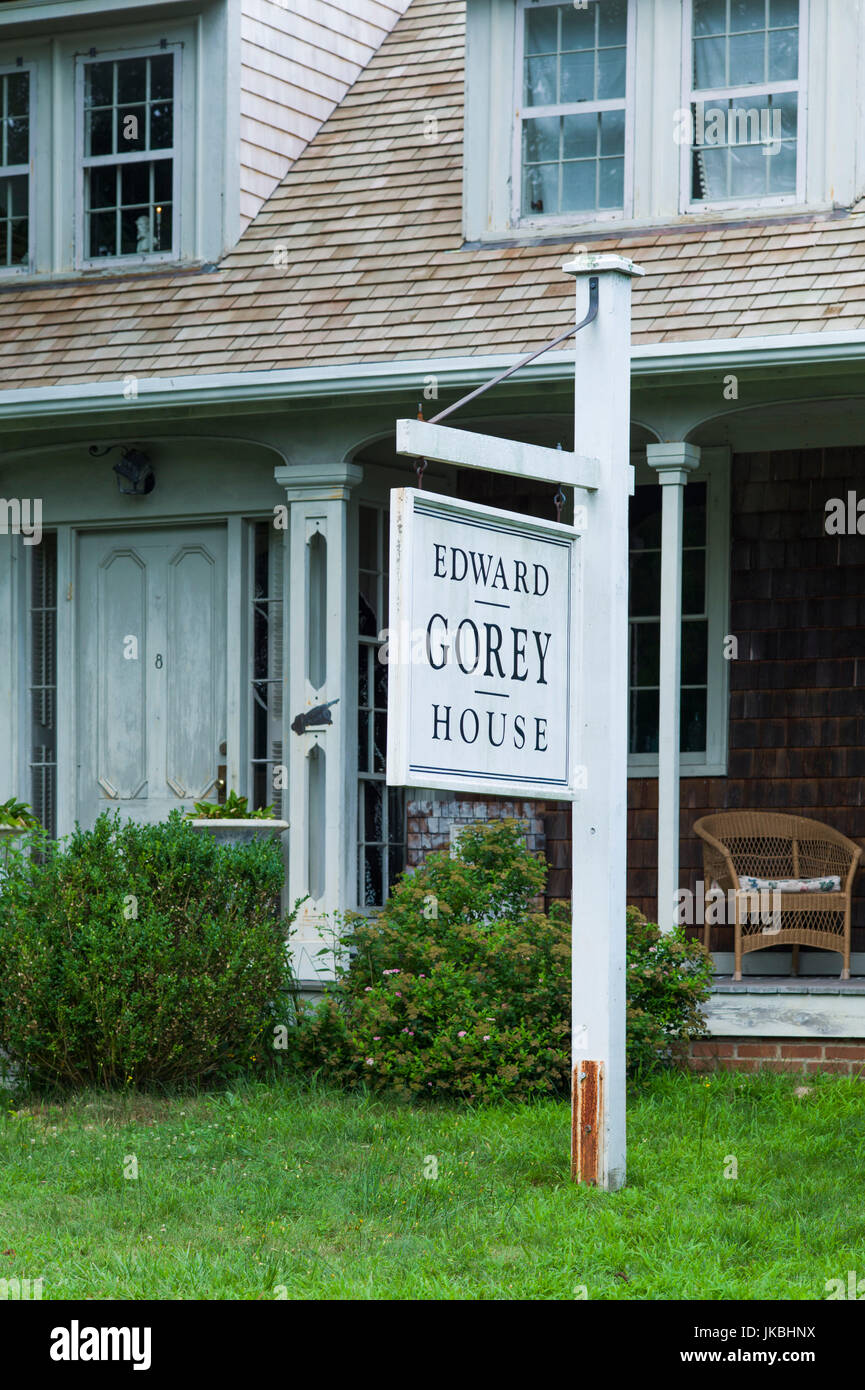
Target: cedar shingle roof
{"type": "Point", "coordinates": [358, 257]}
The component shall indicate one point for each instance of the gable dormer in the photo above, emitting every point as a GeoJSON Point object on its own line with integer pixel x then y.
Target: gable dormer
{"type": "Point", "coordinates": [143, 133]}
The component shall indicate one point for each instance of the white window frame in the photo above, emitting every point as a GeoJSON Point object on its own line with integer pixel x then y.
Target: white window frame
{"type": "Point", "coordinates": [585, 215]}
{"type": "Point", "coordinates": [714, 471]}
{"type": "Point", "coordinates": [15, 170]}
{"type": "Point", "coordinates": [83, 162]}
{"type": "Point", "coordinates": [687, 204]}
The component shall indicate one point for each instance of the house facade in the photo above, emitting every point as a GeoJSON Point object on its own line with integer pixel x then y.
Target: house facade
{"type": "Point", "coordinates": [310, 231]}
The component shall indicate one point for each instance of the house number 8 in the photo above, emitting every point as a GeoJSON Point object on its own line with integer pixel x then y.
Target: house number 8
{"type": "Point", "coordinates": [158, 662]}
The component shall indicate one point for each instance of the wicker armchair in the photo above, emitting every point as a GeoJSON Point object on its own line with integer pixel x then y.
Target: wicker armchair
{"type": "Point", "coordinates": [768, 845]}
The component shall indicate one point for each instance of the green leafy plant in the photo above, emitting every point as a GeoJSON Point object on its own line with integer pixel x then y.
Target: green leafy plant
{"type": "Point", "coordinates": [233, 808]}
{"type": "Point", "coordinates": [17, 814]}
{"type": "Point", "coordinates": [669, 977]}
{"type": "Point", "coordinates": [141, 955]}
{"type": "Point", "coordinates": [459, 988]}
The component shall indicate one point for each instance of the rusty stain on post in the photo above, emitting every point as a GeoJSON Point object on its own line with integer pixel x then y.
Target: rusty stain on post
{"type": "Point", "coordinates": [587, 1121]}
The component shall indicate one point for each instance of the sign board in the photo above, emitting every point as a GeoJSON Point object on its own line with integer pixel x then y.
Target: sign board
{"type": "Point", "coordinates": [480, 651]}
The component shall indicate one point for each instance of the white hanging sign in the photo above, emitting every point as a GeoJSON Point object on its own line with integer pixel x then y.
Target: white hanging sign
{"type": "Point", "coordinates": [480, 651]}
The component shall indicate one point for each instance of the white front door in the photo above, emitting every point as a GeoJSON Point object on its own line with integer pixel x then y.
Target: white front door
{"type": "Point", "coordinates": [151, 670]}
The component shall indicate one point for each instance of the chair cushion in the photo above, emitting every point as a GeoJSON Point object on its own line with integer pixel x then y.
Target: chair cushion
{"type": "Point", "coordinates": [830, 883]}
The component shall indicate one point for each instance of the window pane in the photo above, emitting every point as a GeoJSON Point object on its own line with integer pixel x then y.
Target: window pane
{"type": "Point", "coordinates": [17, 139]}
{"type": "Point", "coordinates": [611, 73]}
{"type": "Point", "coordinates": [784, 55]}
{"type": "Point", "coordinates": [578, 77]}
{"type": "Point", "coordinates": [131, 80]}
{"type": "Point", "coordinates": [611, 183]}
{"type": "Point", "coordinates": [103, 187]}
{"type": "Point", "coordinates": [578, 27]}
{"type": "Point", "coordinates": [541, 30]}
{"type": "Point", "coordinates": [135, 232]}
{"type": "Point", "coordinates": [692, 714]}
{"type": "Point", "coordinates": [135, 183]}
{"type": "Point", "coordinates": [747, 172]}
{"type": "Point", "coordinates": [747, 58]}
{"type": "Point", "coordinates": [644, 721]}
{"type": "Point", "coordinates": [541, 188]}
{"type": "Point", "coordinates": [161, 77]}
{"type": "Point", "coordinates": [782, 169]}
{"type": "Point", "coordinates": [694, 581]}
{"type": "Point", "coordinates": [579, 192]}
{"type": "Point", "coordinates": [103, 234]}
{"type": "Point", "coordinates": [612, 132]}
{"type": "Point", "coordinates": [99, 134]}
{"type": "Point", "coordinates": [645, 571]}
{"type": "Point", "coordinates": [540, 88]}
{"type": "Point", "coordinates": [694, 526]}
{"type": "Point", "coordinates": [747, 14]}
{"type": "Point", "coordinates": [368, 535]}
{"type": "Point", "coordinates": [645, 654]}
{"type": "Point", "coordinates": [695, 638]}
{"type": "Point", "coordinates": [580, 136]}
{"type": "Point", "coordinates": [162, 126]}
{"type": "Point", "coordinates": [710, 16]}
{"type": "Point", "coordinates": [99, 84]}
{"type": "Point", "coordinates": [541, 137]}
{"type": "Point", "coordinates": [372, 891]}
{"type": "Point", "coordinates": [18, 241]}
{"type": "Point", "coordinates": [612, 21]}
{"type": "Point", "coordinates": [783, 12]}
{"type": "Point", "coordinates": [644, 518]}
{"type": "Point", "coordinates": [131, 128]}
{"type": "Point", "coordinates": [18, 93]}
{"type": "Point", "coordinates": [710, 63]}
{"type": "Point", "coordinates": [373, 811]}
{"type": "Point", "coordinates": [163, 173]}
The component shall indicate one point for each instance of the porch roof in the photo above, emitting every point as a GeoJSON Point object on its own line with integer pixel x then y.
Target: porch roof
{"type": "Point", "coordinates": [367, 229]}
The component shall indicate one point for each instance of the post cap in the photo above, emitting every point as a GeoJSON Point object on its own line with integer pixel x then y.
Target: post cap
{"type": "Point", "coordinates": [590, 262]}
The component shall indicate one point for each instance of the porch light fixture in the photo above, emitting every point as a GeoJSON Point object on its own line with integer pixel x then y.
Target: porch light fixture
{"type": "Point", "coordinates": [134, 469]}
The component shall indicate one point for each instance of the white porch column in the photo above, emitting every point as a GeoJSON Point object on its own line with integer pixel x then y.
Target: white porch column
{"type": "Point", "coordinates": [672, 463]}
{"type": "Point", "coordinates": [320, 603]}
{"type": "Point", "coordinates": [11, 640]}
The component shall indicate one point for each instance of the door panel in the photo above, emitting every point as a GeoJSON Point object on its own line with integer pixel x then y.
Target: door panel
{"type": "Point", "coordinates": [121, 614]}
{"type": "Point", "coordinates": [195, 617]}
{"type": "Point", "coordinates": [151, 670]}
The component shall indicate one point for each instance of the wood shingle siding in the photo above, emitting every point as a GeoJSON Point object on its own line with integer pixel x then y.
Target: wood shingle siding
{"type": "Point", "coordinates": [797, 687]}
{"type": "Point", "coordinates": [298, 60]}
{"type": "Point", "coordinates": [358, 256]}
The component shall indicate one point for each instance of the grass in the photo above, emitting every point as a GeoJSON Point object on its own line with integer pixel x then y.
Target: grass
{"type": "Point", "coordinates": [289, 1190]}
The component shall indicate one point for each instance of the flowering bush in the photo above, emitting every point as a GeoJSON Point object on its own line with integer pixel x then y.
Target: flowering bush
{"type": "Point", "coordinates": [460, 989]}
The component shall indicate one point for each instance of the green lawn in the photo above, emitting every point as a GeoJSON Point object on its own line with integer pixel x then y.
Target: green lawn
{"type": "Point", "coordinates": [239, 1193]}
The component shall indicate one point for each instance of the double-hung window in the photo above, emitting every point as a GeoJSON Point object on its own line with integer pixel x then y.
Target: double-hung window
{"type": "Point", "coordinates": [129, 166]}
{"type": "Point", "coordinates": [15, 169]}
{"type": "Point", "coordinates": [704, 635]}
{"type": "Point", "coordinates": [745, 101]}
{"type": "Point", "coordinates": [573, 144]}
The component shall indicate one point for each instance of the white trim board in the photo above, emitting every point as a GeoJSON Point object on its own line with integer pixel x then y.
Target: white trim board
{"type": "Point", "coordinates": [780, 351]}
{"type": "Point", "coordinates": [786, 1015]}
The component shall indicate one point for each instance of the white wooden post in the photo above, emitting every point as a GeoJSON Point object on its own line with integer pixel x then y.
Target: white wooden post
{"type": "Point", "coordinates": [603, 357]}
{"type": "Point", "coordinates": [322, 838]}
{"type": "Point", "coordinates": [672, 463]}
{"type": "Point", "coordinates": [12, 780]}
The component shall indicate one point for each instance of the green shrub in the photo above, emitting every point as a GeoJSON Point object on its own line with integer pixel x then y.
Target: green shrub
{"type": "Point", "coordinates": [140, 954]}
{"type": "Point", "coordinates": [459, 989]}
{"type": "Point", "coordinates": [668, 978]}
